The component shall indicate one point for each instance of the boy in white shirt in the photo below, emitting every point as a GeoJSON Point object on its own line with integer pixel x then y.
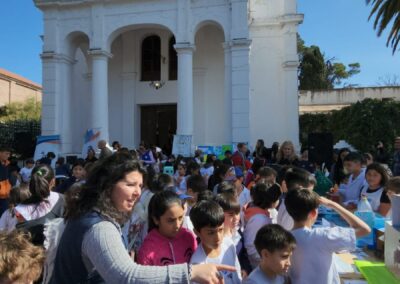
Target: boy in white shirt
{"type": "Point", "coordinates": [293, 179]}
{"type": "Point", "coordinates": [313, 258]}
{"type": "Point", "coordinates": [26, 171]}
{"type": "Point", "coordinates": [275, 246]}
{"type": "Point", "coordinates": [261, 211]}
{"type": "Point", "coordinates": [350, 193]}
{"type": "Point", "coordinates": [208, 221]}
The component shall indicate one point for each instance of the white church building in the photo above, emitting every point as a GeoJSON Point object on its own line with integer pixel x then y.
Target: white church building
{"type": "Point", "coordinates": [223, 71]}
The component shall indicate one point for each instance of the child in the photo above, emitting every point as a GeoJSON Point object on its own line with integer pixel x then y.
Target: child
{"type": "Point", "coordinates": [21, 261]}
{"type": "Point", "coordinates": [208, 221]}
{"type": "Point", "coordinates": [266, 173]}
{"type": "Point", "coordinates": [313, 257]}
{"type": "Point", "coordinates": [167, 241]}
{"type": "Point", "coordinates": [392, 187]}
{"type": "Point", "coordinates": [26, 171]}
{"type": "Point", "coordinates": [78, 175]}
{"type": "Point", "coordinates": [261, 211]}
{"type": "Point", "coordinates": [275, 246]}
{"type": "Point", "coordinates": [163, 182]}
{"type": "Point", "coordinates": [231, 208]}
{"type": "Point", "coordinates": [226, 187]}
{"type": "Point", "coordinates": [193, 168]}
{"type": "Point", "coordinates": [377, 178]}
{"type": "Point", "coordinates": [242, 192]}
{"type": "Point", "coordinates": [195, 186]}
{"type": "Point", "coordinates": [351, 192]}
{"type": "Point", "coordinates": [232, 231]}
{"type": "Point", "coordinates": [180, 177]}
{"type": "Point", "coordinates": [294, 178]}
{"type": "Point", "coordinates": [8, 220]}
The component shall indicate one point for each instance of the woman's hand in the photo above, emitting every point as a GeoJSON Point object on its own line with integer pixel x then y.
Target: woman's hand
{"type": "Point", "coordinates": [209, 273]}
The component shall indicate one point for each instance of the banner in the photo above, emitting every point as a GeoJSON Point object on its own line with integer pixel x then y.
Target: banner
{"type": "Point", "coordinates": [92, 137]}
{"type": "Point", "coordinates": [182, 145]}
{"type": "Point", "coordinates": [218, 151]}
{"type": "Point", "coordinates": [45, 144]}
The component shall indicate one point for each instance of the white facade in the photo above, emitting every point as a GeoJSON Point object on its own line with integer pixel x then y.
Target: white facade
{"type": "Point", "coordinates": [329, 100]}
{"type": "Point", "coordinates": [237, 68]}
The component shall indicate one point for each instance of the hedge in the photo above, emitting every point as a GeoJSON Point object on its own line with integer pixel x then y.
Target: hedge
{"type": "Point", "coordinates": [20, 136]}
{"type": "Point", "coordinates": [362, 124]}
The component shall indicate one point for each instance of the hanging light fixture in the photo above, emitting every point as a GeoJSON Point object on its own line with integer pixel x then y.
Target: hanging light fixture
{"type": "Point", "coordinates": [157, 84]}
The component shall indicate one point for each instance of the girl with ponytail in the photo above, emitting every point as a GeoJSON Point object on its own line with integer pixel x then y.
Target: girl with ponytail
{"type": "Point", "coordinates": [42, 206]}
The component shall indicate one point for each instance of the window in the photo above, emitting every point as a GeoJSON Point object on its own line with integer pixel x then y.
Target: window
{"type": "Point", "coordinates": [151, 59]}
{"type": "Point", "coordinates": [173, 61]}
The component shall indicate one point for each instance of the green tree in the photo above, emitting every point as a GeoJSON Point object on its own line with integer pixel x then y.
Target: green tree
{"type": "Point", "coordinates": [318, 73]}
{"type": "Point", "coordinates": [386, 12]}
{"type": "Point", "coordinates": [28, 110]}
{"type": "Point", "coordinates": [313, 71]}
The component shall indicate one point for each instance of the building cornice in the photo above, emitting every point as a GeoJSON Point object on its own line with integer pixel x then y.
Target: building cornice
{"type": "Point", "coordinates": [280, 21]}
{"type": "Point", "coordinates": [9, 76]}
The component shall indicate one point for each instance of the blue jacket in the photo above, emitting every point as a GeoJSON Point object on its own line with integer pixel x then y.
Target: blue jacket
{"type": "Point", "coordinates": [69, 267]}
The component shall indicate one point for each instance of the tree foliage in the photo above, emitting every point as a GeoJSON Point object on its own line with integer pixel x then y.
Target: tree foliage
{"type": "Point", "coordinates": [386, 12]}
{"type": "Point", "coordinates": [362, 124]}
{"type": "Point", "coordinates": [318, 73]}
{"type": "Point", "coordinates": [28, 110]}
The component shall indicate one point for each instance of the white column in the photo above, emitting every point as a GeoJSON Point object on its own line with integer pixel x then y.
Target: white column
{"type": "Point", "coordinates": [240, 90]}
{"type": "Point", "coordinates": [66, 111]}
{"type": "Point", "coordinates": [228, 92]}
{"type": "Point", "coordinates": [185, 88]}
{"type": "Point", "coordinates": [128, 109]}
{"type": "Point", "coordinates": [99, 111]}
{"type": "Point", "coordinates": [290, 83]}
{"type": "Point", "coordinates": [129, 76]}
{"type": "Point", "coordinates": [51, 106]}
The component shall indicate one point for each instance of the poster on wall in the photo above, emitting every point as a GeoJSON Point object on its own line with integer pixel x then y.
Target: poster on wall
{"type": "Point", "coordinates": [219, 151]}
{"type": "Point", "coordinates": [182, 145]}
{"type": "Point", "coordinates": [91, 139]}
{"type": "Point", "coordinates": [46, 144]}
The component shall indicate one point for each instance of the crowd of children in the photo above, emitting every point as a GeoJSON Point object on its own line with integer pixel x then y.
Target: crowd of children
{"type": "Point", "coordinates": [254, 213]}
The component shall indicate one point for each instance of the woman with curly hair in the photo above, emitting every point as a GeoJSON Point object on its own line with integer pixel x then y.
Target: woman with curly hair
{"type": "Point", "coordinates": [92, 249]}
{"type": "Point", "coordinates": [287, 155]}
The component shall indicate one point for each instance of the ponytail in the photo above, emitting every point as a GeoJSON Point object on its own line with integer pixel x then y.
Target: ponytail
{"type": "Point", "coordinates": [39, 185]}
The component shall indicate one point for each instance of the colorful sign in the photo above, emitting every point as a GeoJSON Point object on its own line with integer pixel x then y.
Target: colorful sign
{"type": "Point", "coordinates": [91, 139]}
{"type": "Point", "coordinates": [46, 144]}
{"type": "Point", "coordinates": [219, 151]}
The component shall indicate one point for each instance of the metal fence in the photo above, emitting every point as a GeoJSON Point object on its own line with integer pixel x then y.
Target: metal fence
{"type": "Point", "coordinates": [20, 136]}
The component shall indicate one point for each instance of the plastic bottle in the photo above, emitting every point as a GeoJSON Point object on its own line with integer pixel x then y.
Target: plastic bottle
{"type": "Point", "coordinates": [365, 213]}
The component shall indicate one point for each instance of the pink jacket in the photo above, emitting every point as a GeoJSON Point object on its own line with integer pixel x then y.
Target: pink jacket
{"type": "Point", "coordinates": [158, 250]}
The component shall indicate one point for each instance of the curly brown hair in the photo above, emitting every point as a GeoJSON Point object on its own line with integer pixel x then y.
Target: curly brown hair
{"type": "Point", "coordinates": [95, 193]}
{"type": "Point", "coordinates": [21, 261]}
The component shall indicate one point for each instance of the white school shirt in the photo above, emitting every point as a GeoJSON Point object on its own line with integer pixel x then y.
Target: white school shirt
{"type": "Point", "coordinates": [251, 228]}
{"type": "Point", "coordinates": [284, 219]}
{"type": "Point", "coordinates": [244, 197]}
{"type": "Point", "coordinates": [374, 198]}
{"type": "Point", "coordinates": [26, 174]}
{"type": "Point", "coordinates": [8, 221]}
{"type": "Point", "coordinates": [351, 191]}
{"type": "Point", "coordinates": [312, 260]}
{"type": "Point", "coordinates": [227, 257]}
{"type": "Point", "coordinates": [207, 171]}
{"type": "Point", "coordinates": [258, 277]}
{"type": "Point", "coordinates": [36, 211]}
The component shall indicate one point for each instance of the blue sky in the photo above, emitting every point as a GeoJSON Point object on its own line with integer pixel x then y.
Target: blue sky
{"type": "Point", "coordinates": [339, 27]}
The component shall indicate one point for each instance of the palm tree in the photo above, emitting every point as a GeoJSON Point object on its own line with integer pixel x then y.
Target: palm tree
{"type": "Point", "coordinates": [385, 12]}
